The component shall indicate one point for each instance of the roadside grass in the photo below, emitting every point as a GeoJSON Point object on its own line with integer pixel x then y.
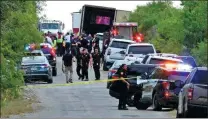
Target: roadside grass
{"type": "Point", "coordinates": [27, 103]}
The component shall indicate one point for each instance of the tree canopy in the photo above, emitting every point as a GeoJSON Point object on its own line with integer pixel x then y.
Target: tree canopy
{"type": "Point", "coordinates": [19, 21]}
{"type": "Point", "coordinates": [173, 30]}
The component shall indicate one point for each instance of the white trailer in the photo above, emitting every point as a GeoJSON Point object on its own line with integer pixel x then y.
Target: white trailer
{"type": "Point", "coordinates": [76, 20]}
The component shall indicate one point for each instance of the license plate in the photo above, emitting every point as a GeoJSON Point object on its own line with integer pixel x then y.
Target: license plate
{"type": "Point", "coordinates": [33, 68]}
{"type": "Point", "coordinates": [203, 99]}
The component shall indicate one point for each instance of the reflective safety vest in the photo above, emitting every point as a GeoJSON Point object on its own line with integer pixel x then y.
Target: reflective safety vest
{"type": "Point", "coordinates": [54, 43]}
{"type": "Point", "coordinates": [60, 40]}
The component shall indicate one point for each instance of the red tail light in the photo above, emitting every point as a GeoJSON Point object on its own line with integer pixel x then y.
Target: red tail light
{"type": "Point", "coordinates": [190, 93]}
{"type": "Point", "coordinates": [114, 77]}
{"type": "Point", "coordinates": [166, 94]}
{"type": "Point", "coordinates": [53, 52]}
{"type": "Point", "coordinates": [166, 85]}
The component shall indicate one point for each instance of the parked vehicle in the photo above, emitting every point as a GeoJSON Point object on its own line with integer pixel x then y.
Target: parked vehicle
{"type": "Point", "coordinates": [115, 46]}
{"type": "Point", "coordinates": [138, 51]}
{"type": "Point", "coordinates": [114, 69]}
{"type": "Point", "coordinates": [50, 54]}
{"type": "Point", "coordinates": [36, 68]}
{"type": "Point", "coordinates": [193, 97]}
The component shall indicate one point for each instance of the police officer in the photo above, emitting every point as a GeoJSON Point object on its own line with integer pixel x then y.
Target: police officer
{"type": "Point", "coordinates": [123, 87]}
{"type": "Point", "coordinates": [96, 43]}
{"type": "Point", "coordinates": [79, 65]}
{"type": "Point", "coordinates": [96, 63]}
{"type": "Point", "coordinates": [85, 64]}
{"type": "Point", "coordinates": [59, 43]}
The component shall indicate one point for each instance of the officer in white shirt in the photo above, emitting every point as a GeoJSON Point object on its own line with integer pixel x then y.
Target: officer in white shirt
{"type": "Point", "coordinates": [67, 39]}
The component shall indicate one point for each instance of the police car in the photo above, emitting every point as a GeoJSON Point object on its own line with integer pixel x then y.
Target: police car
{"type": "Point", "coordinates": [162, 86]}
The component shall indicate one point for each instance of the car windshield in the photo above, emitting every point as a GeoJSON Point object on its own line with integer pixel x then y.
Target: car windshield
{"type": "Point", "coordinates": [32, 54]}
{"type": "Point", "coordinates": [188, 60]}
{"type": "Point", "coordinates": [161, 61]}
{"type": "Point", "coordinates": [50, 26]}
{"type": "Point", "coordinates": [176, 75]}
{"type": "Point", "coordinates": [33, 59]}
{"type": "Point", "coordinates": [141, 50]}
{"type": "Point", "coordinates": [200, 77]}
{"type": "Point", "coordinates": [119, 44]}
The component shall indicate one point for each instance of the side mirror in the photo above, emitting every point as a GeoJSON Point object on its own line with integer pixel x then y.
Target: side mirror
{"type": "Point", "coordinates": [158, 51]}
{"type": "Point", "coordinates": [122, 52]}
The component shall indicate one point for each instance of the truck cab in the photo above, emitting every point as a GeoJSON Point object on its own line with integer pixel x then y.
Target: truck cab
{"type": "Point", "coordinates": [52, 26]}
{"type": "Point", "coordinates": [126, 30]}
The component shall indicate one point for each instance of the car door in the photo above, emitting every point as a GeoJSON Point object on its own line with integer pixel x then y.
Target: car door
{"type": "Point", "coordinates": [151, 82]}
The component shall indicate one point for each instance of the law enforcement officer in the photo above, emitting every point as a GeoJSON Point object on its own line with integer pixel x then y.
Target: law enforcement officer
{"type": "Point", "coordinates": [96, 63]}
{"type": "Point", "coordinates": [123, 85]}
{"type": "Point", "coordinates": [79, 65]}
{"type": "Point", "coordinates": [85, 64]}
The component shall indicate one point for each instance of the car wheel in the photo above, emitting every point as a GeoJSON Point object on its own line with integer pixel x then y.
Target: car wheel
{"type": "Point", "coordinates": [141, 106]}
{"type": "Point", "coordinates": [156, 105]}
{"type": "Point", "coordinates": [50, 81]}
{"type": "Point", "coordinates": [54, 72]}
{"type": "Point", "coordinates": [104, 67]}
{"type": "Point", "coordinates": [130, 101]}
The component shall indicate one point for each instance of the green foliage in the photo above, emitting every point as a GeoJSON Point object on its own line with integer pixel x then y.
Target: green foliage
{"type": "Point", "coordinates": [200, 52]}
{"type": "Point", "coordinates": [18, 27]}
{"type": "Point", "coordinates": [171, 29]}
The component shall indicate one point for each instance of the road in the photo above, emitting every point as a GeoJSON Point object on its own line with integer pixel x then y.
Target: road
{"type": "Point", "coordinates": [83, 101]}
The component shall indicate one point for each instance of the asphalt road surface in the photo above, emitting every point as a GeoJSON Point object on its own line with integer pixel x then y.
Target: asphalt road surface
{"type": "Point", "coordinates": [83, 101]}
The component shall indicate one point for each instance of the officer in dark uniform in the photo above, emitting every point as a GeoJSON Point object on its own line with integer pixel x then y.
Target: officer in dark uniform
{"type": "Point", "coordinates": [79, 65]}
{"type": "Point", "coordinates": [96, 63]}
{"type": "Point", "coordinates": [123, 86]}
{"type": "Point", "coordinates": [96, 43]}
{"type": "Point", "coordinates": [85, 64]}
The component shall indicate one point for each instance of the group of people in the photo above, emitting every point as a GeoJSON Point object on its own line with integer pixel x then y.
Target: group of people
{"type": "Point", "coordinates": [80, 48]}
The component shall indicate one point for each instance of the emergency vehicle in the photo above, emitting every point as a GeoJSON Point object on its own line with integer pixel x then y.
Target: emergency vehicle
{"type": "Point", "coordinates": [126, 30]}
{"type": "Point", "coordinates": [53, 26]}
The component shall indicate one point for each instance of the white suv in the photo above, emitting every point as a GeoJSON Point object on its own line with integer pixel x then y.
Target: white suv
{"type": "Point", "coordinates": [115, 46]}
{"type": "Point", "coordinates": [137, 52]}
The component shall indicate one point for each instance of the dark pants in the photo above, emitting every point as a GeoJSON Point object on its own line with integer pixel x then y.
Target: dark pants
{"type": "Point", "coordinates": [79, 70]}
{"type": "Point", "coordinates": [97, 72]}
{"type": "Point", "coordinates": [85, 73]}
{"type": "Point", "coordinates": [67, 46]}
{"type": "Point", "coordinates": [59, 49]}
{"type": "Point", "coordinates": [123, 97]}
{"type": "Point", "coordinates": [74, 50]}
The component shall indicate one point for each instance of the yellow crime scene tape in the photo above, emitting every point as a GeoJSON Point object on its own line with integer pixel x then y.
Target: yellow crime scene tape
{"type": "Point", "coordinates": [74, 83]}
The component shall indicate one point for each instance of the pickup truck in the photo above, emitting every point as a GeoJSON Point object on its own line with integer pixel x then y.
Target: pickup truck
{"type": "Point", "coordinates": [193, 96]}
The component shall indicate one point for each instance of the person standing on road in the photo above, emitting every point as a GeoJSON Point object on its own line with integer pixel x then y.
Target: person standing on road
{"type": "Point", "coordinates": [79, 65]}
{"type": "Point", "coordinates": [96, 63]}
{"type": "Point", "coordinates": [96, 43]}
{"type": "Point", "coordinates": [123, 86]}
{"type": "Point", "coordinates": [85, 64]}
{"type": "Point", "coordinates": [67, 39]}
{"type": "Point", "coordinates": [59, 43]}
{"type": "Point", "coordinates": [67, 63]}
{"type": "Point", "coordinates": [89, 38]}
